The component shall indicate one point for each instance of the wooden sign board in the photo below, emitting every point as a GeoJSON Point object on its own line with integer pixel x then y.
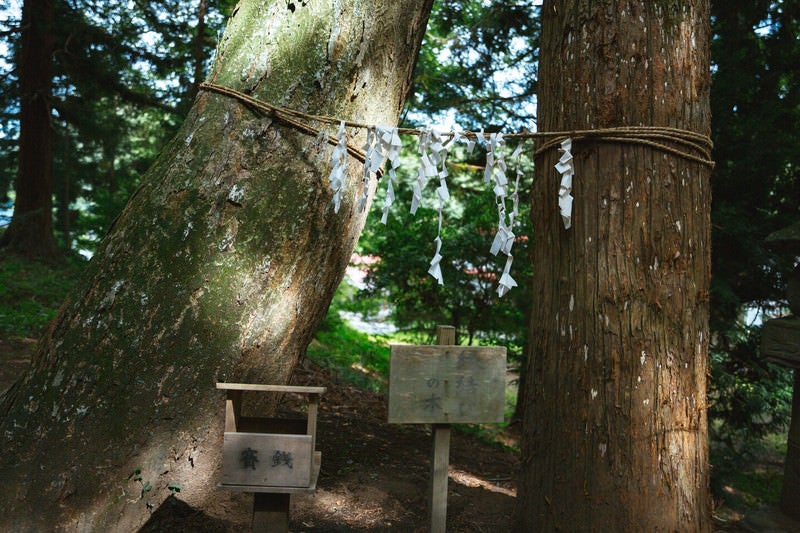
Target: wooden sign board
{"type": "Point", "coordinates": [266, 460]}
{"type": "Point", "coordinates": [780, 341]}
{"type": "Point", "coordinates": [446, 384]}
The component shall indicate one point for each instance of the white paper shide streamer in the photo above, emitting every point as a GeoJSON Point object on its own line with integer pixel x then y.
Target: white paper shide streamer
{"type": "Point", "coordinates": [566, 168]}
{"type": "Point", "coordinates": [390, 145]}
{"type": "Point", "coordinates": [339, 170]}
{"type": "Point", "coordinates": [432, 164]}
{"type": "Point", "coordinates": [504, 238]}
{"type": "Point", "coordinates": [383, 145]}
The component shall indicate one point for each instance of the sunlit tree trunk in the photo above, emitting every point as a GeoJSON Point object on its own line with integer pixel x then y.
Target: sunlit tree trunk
{"type": "Point", "coordinates": [219, 268]}
{"type": "Point", "coordinates": [615, 435]}
{"type": "Point", "coordinates": [31, 229]}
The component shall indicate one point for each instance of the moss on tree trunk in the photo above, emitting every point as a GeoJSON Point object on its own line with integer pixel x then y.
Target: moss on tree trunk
{"type": "Point", "coordinates": [219, 268]}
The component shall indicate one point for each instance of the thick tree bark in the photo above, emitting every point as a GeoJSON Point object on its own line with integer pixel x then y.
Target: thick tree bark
{"type": "Point", "coordinates": [30, 232]}
{"type": "Point", "coordinates": [219, 269]}
{"type": "Point", "coordinates": [615, 423]}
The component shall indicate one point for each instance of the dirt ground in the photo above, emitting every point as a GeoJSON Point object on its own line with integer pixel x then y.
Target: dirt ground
{"type": "Point", "coordinates": [374, 475]}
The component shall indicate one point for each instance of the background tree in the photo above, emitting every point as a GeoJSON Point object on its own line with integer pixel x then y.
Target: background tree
{"type": "Point", "coordinates": [755, 99]}
{"type": "Point", "coordinates": [31, 228]}
{"type": "Point", "coordinates": [614, 423]}
{"type": "Point", "coordinates": [122, 77]}
{"type": "Point", "coordinates": [219, 268]}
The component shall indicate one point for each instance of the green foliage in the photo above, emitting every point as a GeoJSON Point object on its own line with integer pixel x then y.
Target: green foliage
{"type": "Point", "coordinates": [749, 398]}
{"type": "Point", "coordinates": [124, 75]}
{"type": "Point", "coordinates": [756, 187]}
{"type": "Point", "coordinates": [468, 300]}
{"type": "Point", "coordinates": [479, 59]}
{"type": "Point", "coordinates": [360, 359]}
{"type": "Point", "coordinates": [750, 406]}
{"type": "Point", "coordinates": [749, 482]}
{"type": "Point", "coordinates": [31, 293]}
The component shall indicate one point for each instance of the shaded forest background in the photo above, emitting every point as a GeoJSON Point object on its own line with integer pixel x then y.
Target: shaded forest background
{"type": "Point", "coordinates": [123, 74]}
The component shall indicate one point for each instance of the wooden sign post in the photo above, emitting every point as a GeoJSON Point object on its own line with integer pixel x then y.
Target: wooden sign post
{"type": "Point", "coordinates": [780, 344]}
{"type": "Point", "coordinates": [441, 385]}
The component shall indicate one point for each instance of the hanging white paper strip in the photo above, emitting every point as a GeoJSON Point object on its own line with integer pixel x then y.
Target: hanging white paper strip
{"type": "Point", "coordinates": [339, 170]}
{"type": "Point", "coordinates": [504, 238]}
{"type": "Point", "coordinates": [390, 145]}
{"type": "Point", "coordinates": [436, 270]}
{"type": "Point", "coordinates": [383, 144]}
{"type": "Point", "coordinates": [373, 158]}
{"type": "Point", "coordinates": [424, 172]}
{"type": "Point", "coordinates": [506, 281]}
{"type": "Point", "coordinates": [566, 168]}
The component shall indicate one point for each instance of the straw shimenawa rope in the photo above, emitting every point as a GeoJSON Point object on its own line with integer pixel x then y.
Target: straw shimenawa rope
{"type": "Point", "coordinates": [681, 143]}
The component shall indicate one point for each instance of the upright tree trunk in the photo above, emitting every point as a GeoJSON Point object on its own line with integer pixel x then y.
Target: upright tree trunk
{"type": "Point", "coordinates": [219, 268]}
{"type": "Point", "coordinates": [198, 55]}
{"type": "Point", "coordinates": [31, 229]}
{"type": "Point", "coordinates": [615, 423]}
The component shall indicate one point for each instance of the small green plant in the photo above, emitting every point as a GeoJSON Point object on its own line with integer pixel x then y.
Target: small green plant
{"type": "Point", "coordinates": [146, 486]}
{"type": "Point", "coordinates": [31, 293]}
{"type": "Point", "coordinates": [135, 475]}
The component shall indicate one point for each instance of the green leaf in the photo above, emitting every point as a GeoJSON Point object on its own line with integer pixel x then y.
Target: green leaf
{"type": "Point", "coordinates": [147, 487]}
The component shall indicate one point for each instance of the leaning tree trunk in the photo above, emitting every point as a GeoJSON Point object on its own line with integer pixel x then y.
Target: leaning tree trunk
{"type": "Point", "coordinates": [219, 268]}
{"type": "Point", "coordinates": [30, 232]}
{"type": "Point", "coordinates": [615, 423]}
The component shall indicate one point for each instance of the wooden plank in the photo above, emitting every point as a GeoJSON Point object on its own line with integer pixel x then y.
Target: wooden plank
{"type": "Point", "coordinates": [440, 466]}
{"type": "Point", "coordinates": [271, 388]}
{"type": "Point", "coordinates": [266, 460]}
{"type": "Point", "coordinates": [270, 512]}
{"type": "Point", "coordinates": [440, 458]}
{"type": "Point", "coordinates": [780, 341]}
{"type": "Point", "coordinates": [790, 493]}
{"type": "Point", "coordinates": [311, 428]}
{"type": "Point", "coordinates": [233, 410]}
{"type": "Point", "coordinates": [445, 335]}
{"type": "Point", "coordinates": [446, 384]}
{"type": "Point", "coordinates": [289, 426]}
{"type": "Point", "coordinates": [282, 490]}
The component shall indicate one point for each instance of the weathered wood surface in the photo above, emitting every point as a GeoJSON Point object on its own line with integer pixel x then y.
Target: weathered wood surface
{"type": "Point", "coordinates": [267, 460]}
{"type": "Point", "coordinates": [786, 239]}
{"type": "Point", "coordinates": [440, 455]}
{"type": "Point", "coordinates": [790, 492]}
{"type": "Point", "coordinates": [257, 387]}
{"type": "Point", "coordinates": [446, 384]}
{"type": "Point", "coordinates": [780, 341]}
{"type": "Point", "coordinates": [271, 513]}
{"type": "Point", "coordinates": [315, 467]}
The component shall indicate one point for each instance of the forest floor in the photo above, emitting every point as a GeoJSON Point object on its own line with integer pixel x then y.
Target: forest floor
{"type": "Point", "coordinates": [374, 475]}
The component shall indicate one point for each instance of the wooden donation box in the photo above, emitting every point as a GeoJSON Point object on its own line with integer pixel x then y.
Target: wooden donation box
{"type": "Point", "coordinates": [269, 455]}
{"type": "Point", "coordinates": [446, 384]}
